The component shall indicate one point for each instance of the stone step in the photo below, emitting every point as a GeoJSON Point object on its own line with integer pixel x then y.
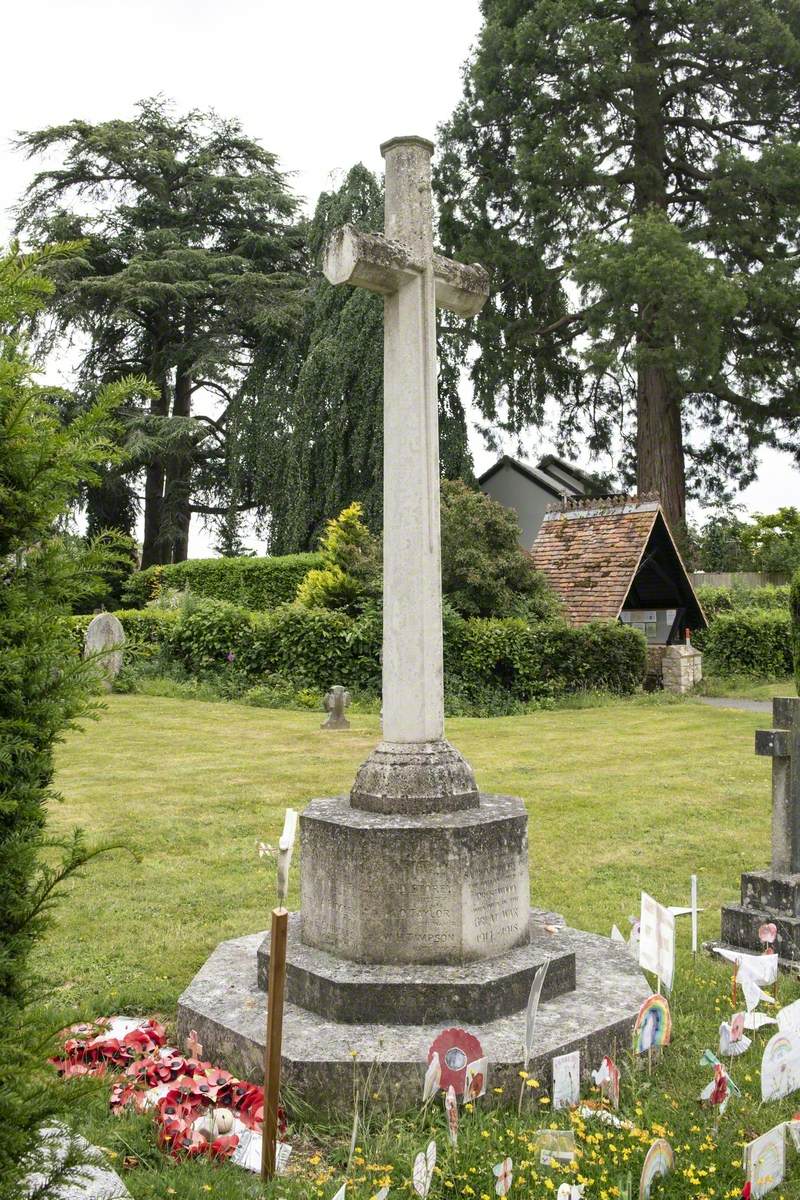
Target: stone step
{"type": "Point", "coordinates": [767, 891]}
{"type": "Point", "coordinates": [740, 926]}
{"type": "Point", "coordinates": [323, 1060]}
{"type": "Point", "coordinates": [411, 994]}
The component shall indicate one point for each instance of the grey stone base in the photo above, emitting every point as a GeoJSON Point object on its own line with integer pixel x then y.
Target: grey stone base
{"type": "Point", "coordinates": [740, 928]}
{"type": "Point", "coordinates": [414, 777]}
{"type": "Point", "coordinates": [766, 896]}
{"type": "Point", "coordinates": [415, 994]}
{"type": "Point", "coordinates": [389, 888]}
{"type": "Point", "coordinates": [323, 1058]}
{"type": "Point", "coordinates": [772, 892]}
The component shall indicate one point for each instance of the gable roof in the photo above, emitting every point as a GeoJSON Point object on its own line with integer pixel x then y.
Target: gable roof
{"type": "Point", "coordinates": [583, 479]}
{"type": "Point", "coordinates": [593, 551]}
{"type": "Point", "coordinates": [548, 483]}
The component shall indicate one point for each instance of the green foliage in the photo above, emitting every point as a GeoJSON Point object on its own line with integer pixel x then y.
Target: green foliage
{"type": "Point", "coordinates": [717, 600]}
{"type": "Point", "coordinates": [120, 554]}
{"type": "Point", "coordinates": [795, 612]}
{"type": "Point", "coordinates": [774, 541]}
{"type": "Point", "coordinates": [256, 583]}
{"type": "Point", "coordinates": [351, 565]}
{"type": "Point", "coordinates": [720, 545]}
{"type": "Point", "coordinates": [485, 573]}
{"type": "Point", "coordinates": [755, 642]}
{"type": "Point", "coordinates": [192, 257]}
{"type": "Point", "coordinates": [44, 684]}
{"type": "Point", "coordinates": [628, 173]}
{"type": "Point", "coordinates": [307, 433]}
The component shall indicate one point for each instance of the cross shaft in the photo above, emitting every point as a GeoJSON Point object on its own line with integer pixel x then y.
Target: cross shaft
{"type": "Point", "coordinates": [782, 745]}
{"type": "Point", "coordinates": [402, 267]}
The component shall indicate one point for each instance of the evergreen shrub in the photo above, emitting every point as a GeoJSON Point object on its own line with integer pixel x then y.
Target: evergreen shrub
{"type": "Point", "coordinates": [795, 615]}
{"type": "Point", "coordinates": [255, 583]}
{"type": "Point", "coordinates": [748, 642]}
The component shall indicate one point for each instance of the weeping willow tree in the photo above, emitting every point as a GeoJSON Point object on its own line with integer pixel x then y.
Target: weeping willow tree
{"type": "Point", "coordinates": [306, 438]}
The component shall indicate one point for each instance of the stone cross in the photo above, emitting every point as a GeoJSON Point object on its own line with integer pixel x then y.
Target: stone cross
{"type": "Point", "coordinates": [335, 703]}
{"type": "Point", "coordinates": [401, 266]}
{"type": "Point", "coordinates": [782, 745]}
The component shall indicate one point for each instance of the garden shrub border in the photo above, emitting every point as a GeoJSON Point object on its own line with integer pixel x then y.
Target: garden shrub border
{"type": "Point", "coordinates": [486, 659]}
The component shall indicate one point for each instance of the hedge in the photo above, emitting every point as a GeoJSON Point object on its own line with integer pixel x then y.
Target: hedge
{"type": "Point", "coordinates": [316, 648]}
{"type": "Point", "coordinates": [716, 600]}
{"type": "Point", "coordinates": [749, 642]}
{"type": "Point", "coordinates": [259, 584]}
{"type": "Point", "coordinates": [795, 613]}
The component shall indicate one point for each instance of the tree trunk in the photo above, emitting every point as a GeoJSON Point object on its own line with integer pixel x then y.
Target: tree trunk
{"type": "Point", "coordinates": [153, 548]}
{"type": "Point", "coordinates": [177, 490]}
{"type": "Point", "coordinates": [659, 446]}
{"type": "Point", "coordinates": [659, 437]}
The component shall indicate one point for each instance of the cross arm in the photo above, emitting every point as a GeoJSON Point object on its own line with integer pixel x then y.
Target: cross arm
{"type": "Point", "coordinates": [773, 743]}
{"type": "Point", "coordinates": [374, 262]}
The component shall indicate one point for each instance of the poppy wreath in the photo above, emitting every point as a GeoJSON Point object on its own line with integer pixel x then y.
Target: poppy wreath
{"type": "Point", "coordinates": [180, 1090]}
{"type": "Point", "coordinates": [92, 1048]}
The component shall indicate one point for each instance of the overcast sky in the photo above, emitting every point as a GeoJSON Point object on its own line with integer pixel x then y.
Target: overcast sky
{"type": "Point", "coordinates": [321, 83]}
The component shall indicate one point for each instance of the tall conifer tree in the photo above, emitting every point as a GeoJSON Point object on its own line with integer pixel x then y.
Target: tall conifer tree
{"type": "Point", "coordinates": [630, 172]}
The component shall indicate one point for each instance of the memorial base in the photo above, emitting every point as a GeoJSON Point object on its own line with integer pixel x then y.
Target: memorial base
{"type": "Point", "coordinates": [323, 1058]}
{"type": "Point", "coordinates": [767, 896]}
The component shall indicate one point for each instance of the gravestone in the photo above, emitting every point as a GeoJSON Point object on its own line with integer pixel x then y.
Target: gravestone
{"type": "Point", "coordinates": [773, 895]}
{"type": "Point", "coordinates": [335, 703]}
{"type": "Point", "coordinates": [105, 637]}
{"type": "Point", "coordinates": [415, 890]}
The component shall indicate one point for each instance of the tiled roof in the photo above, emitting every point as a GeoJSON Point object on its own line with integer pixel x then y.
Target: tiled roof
{"type": "Point", "coordinates": [590, 550]}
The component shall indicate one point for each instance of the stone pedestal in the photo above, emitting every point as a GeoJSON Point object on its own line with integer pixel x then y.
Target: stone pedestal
{"type": "Point", "coordinates": [447, 888]}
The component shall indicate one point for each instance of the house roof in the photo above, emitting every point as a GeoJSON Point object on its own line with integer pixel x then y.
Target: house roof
{"type": "Point", "coordinates": [582, 478]}
{"type": "Point", "coordinates": [593, 552]}
{"type": "Point", "coordinates": [550, 485]}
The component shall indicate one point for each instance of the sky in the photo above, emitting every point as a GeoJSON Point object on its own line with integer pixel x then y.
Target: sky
{"type": "Point", "coordinates": [321, 83]}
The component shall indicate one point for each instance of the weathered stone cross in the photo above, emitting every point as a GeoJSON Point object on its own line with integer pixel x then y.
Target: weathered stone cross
{"type": "Point", "coordinates": [782, 744]}
{"type": "Point", "coordinates": [401, 266]}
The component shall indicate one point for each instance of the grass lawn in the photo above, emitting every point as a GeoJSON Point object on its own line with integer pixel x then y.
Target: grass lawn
{"type": "Point", "coordinates": [624, 796]}
{"type": "Point", "coordinates": [745, 688]}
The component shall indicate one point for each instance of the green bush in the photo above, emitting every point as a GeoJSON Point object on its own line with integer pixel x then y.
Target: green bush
{"type": "Point", "coordinates": [795, 614]}
{"type": "Point", "coordinates": [717, 600]}
{"type": "Point", "coordinates": [749, 642]}
{"type": "Point", "coordinates": [259, 584]}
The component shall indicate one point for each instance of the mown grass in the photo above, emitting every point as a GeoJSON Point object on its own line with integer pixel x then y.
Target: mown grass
{"type": "Point", "coordinates": [745, 688]}
{"type": "Point", "coordinates": [624, 796]}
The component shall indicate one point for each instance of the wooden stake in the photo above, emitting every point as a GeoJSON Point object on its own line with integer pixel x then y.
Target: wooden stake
{"type": "Point", "coordinates": [272, 1054]}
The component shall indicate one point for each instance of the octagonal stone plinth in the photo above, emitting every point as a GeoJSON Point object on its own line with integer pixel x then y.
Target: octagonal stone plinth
{"type": "Point", "coordinates": [393, 888]}
{"type": "Point", "coordinates": [322, 1058]}
{"type": "Point", "coordinates": [414, 994]}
